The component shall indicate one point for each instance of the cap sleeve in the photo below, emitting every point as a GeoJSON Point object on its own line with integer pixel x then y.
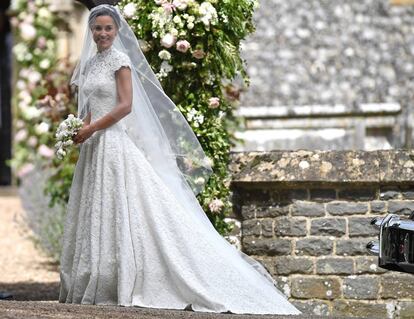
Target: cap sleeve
{"type": "Point", "coordinates": [121, 60]}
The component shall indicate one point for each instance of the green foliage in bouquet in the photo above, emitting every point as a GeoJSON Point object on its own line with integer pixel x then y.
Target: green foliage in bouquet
{"type": "Point", "coordinates": [194, 48]}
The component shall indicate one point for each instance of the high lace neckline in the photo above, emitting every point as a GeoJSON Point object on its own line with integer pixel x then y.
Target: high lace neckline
{"type": "Point", "coordinates": [104, 52]}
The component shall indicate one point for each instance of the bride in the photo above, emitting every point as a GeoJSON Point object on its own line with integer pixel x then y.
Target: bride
{"type": "Point", "coordinates": [135, 234]}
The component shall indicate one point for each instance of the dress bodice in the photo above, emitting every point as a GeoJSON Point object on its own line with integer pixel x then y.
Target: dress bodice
{"type": "Point", "coordinates": [100, 84]}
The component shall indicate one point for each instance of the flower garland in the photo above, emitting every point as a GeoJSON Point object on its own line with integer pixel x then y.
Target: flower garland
{"type": "Point", "coordinates": [193, 46]}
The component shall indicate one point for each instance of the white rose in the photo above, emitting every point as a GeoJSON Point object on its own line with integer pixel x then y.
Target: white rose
{"type": "Point", "coordinates": [34, 77]}
{"type": "Point", "coordinates": [130, 10]}
{"type": "Point", "coordinates": [28, 32]}
{"type": "Point", "coordinates": [164, 54]}
{"type": "Point", "coordinates": [180, 4]}
{"type": "Point", "coordinates": [165, 66]}
{"type": "Point", "coordinates": [44, 64]}
{"type": "Point", "coordinates": [168, 40]}
{"type": "Point", "coordinates": [199, 181]}
{"type": "Point", "coordinates": [42, 128]}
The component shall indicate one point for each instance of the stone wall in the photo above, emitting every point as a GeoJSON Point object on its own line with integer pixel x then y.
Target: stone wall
{"type": "Point", "coordinates": [330, 52]}
{"type": "Point", "coordinates": [305, 215]}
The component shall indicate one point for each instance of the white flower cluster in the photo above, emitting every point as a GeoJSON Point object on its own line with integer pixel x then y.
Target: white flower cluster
{"type": "Point", "coordinates": [216, 205]}
{"type": "Point", "coordinates": [66, 131]}
{"type": "Point", "coordinates": [195, 117]}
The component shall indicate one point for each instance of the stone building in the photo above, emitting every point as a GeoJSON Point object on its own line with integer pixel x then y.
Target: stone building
{"type": "Point", "coordinates": [330, 75]}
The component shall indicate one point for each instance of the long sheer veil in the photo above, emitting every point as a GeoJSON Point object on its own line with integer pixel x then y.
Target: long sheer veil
{"type": "Point", "coordinates": [158, 128]}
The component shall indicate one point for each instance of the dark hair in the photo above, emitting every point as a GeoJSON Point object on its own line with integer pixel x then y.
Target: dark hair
{"type": "Point", "coordinates": [104, 10]}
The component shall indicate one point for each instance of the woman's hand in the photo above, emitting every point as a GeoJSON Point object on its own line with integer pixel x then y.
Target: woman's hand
{"type": "Point", "coordinates": [84, 133]}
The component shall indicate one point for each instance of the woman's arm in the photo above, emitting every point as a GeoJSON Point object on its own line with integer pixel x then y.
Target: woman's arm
{"type": "Point", "coordinates": [124, 89]}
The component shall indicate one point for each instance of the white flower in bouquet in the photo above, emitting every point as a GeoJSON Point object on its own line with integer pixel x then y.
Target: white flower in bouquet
{"type": "Point", "coordinates": [64, 134]}
{"type": "Point", "coordinates": [215, 205]}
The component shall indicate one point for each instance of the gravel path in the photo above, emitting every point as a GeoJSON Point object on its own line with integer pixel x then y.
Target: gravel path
{"type": "Point", "coordinates": [24, 271]}
{"type": "Point", "coordinates": [34, 280]}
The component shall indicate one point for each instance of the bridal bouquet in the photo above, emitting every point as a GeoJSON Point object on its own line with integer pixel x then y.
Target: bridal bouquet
{"type": "Point", "coordinates": [66, 131]}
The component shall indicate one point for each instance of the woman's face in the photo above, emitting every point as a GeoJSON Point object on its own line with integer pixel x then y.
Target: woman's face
{"type": "Point", "coordinates": [104, 32]}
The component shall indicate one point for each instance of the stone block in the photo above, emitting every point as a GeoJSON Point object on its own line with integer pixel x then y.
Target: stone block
{"type": "Point", "coordinates": [368, 264]}
{"type": "Point", "coordinates": [334, 266]}
{"type": "Point", "coordinates": [293, 265]}
{"type": "Point", "coordinates": [309, 209]}
{"type": "Point", "coordinates": [315, 287]}
{"type": "Point", "coordinates": [322, 195]}
{"type": "Point", "coordinates": [316, 308]}
{"type": "Point", "coordinates": [251, 227]}
{"type": "Point", "coordinates": [287, 226]}
{"type": "Point", "coordinates": [328, 226]}
{"type": "Point", "coordinates": [339, 208]}
{"type": "Point", "coordinates": [361, 287]}
{"type": "Point", "coordinates": [361, 226]}
{"type": "Point", "coordinates": [405, 309]}
{"type": "Point", "coordinates": [267, 227]}
{"type": "Point", "coordinates": [273, 211]}
{"type": "Point", "coordinates": [352, 247]}
{"type": "Point", "coordinates": [378, 207]}
{"type": "Point", "coordinates": [357, 193]}
{"type": "Point", "coordinates": [389, 192]}
{"type": "Point", "coordinates": [397, 286]}
{"type": "Point", "coordinates": [267, 247]}
{"type": "Point", "coordinates": [350, 308]}
{"type": "Point", "coordinates": [258, 211]}
{"type": "Point", "coordinates": [401, 207]}
{"type": "Point", "coordinates": [314, 246]}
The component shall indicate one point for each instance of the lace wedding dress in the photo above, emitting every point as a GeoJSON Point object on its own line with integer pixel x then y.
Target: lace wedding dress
{"type": "Point", "coordinates": [125, 241]}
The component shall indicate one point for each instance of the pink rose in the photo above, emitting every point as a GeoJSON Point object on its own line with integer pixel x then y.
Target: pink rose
{"type": "Point", "coordinates": [25, 169]}
{"type": "Point", "coordinates": [199, 54]}
{"type": "Point", "coordinates": [213, 102]}
{"type": "Point", "coordinates": [168, 7]}
{"type": "Point", "coordinates": [41, 42]}
{"type": "Point", "coordinates": [183, 46]}
{"type": "Point", "coordinates": [45, 151]}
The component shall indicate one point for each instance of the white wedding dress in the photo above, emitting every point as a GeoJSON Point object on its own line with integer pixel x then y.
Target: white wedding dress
{"type": "Point", "coordinates": [126, 241]}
